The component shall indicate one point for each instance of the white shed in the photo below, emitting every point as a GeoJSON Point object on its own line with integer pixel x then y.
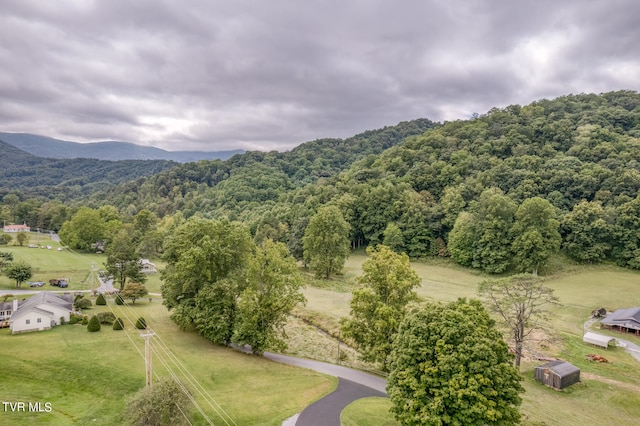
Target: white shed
{"type": "Point", "coordinates": [597, 339]}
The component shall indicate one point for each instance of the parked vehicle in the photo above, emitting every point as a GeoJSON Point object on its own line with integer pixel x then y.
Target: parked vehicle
{"type": "Point", "coordinates": [61, 282]}
{"type": "Point", "coordinates": [35, 283]}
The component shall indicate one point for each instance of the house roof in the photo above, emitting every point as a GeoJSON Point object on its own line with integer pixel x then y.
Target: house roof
{"type": "Point", "coordinates": [597, 339]}
{"type": "Point", "coordinates": [561, 368]}
{"type": "Point", "coordinates": [16, 227]}
{"type": "Point", "coordinates": [43, 297]}
{"type": "Point", "coordinates": [628, 318]}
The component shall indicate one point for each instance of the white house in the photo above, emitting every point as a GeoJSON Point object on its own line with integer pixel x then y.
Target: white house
{"type": "Point", "coordinates": [40, 312]}
{"type": "Point", "coordinates": [147, 267]}
{"type": "Point", "coordinates": [16, 228]}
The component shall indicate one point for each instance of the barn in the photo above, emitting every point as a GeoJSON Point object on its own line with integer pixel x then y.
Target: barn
{"type": "Point", "coordinates": [557, 374]}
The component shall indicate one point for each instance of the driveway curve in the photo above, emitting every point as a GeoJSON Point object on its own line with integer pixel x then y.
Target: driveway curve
{"type": "Point", "coordinates": [352, 385]}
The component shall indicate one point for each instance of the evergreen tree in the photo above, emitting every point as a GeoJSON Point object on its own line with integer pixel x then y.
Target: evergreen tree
{"type": "Point", "coordinates": [93, 324]}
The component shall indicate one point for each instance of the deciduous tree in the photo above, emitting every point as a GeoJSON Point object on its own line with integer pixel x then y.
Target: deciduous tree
{"type": "Point", "coordinates": [521, 301]}
{"type": "Point", "coordinates": [588, 235]}
{"type": "Point", "coordinates": [535, 234]}
{"type": "Point", "coordinates": [85, 228]}
{"type": "Point", "coordinates": [379, 303]}
{"type": "Point", "coordinates": [134, 291]}
{"type": "Point", "coordinates": [326, 242]}
{"type": "Point", "coordinates": [19, 271]}
{"type": "Point", "coordinates": [450, 366]}
{"type": "Point", "coordinates": [164, 403]}
{"type": "Point", "coordinates": [273, 290]}
{"type": "Point", "coordinates": [22, 238]}
{"type": "Point", "coordinates": [123, 260]}
{"type": "Point", "coordinates": [199, 254]}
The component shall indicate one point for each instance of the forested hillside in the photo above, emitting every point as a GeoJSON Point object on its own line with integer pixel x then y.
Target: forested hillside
{"type": "Point", "coordinates": [69, 179]}
{"type": "Point", "coordinates": [490, 192]}
{"type": "Point", "coordinates": [254, 179]}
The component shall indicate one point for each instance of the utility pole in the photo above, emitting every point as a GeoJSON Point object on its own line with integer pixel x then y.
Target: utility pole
{"type": "Point", "coordinates": [147, 356]}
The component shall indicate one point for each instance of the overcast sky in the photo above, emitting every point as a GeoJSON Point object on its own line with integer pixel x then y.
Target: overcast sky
{"type": "Point", "coordinates": [212, 75]}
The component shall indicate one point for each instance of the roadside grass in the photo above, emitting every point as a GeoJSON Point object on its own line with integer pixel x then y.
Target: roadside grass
{"type": "Point", "coordinates": [88, 377]}
{"type": "Point", "coordinates": [372, 411]}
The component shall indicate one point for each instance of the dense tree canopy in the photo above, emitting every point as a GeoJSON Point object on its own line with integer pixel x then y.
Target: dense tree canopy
{"type": "Point", "coordinates": [450, 366]}
{"type": "Point", "coordinates": [199, 255]}
{"type": "Point", "coordinates": [421, 177]}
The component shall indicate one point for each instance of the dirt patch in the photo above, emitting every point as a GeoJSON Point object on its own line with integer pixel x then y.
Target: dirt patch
{"type": "Point", "coordinates": [628, 386]}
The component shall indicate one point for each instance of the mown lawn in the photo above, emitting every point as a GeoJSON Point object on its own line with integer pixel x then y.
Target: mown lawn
{"type": "Point", "coordinates": [87, 377]}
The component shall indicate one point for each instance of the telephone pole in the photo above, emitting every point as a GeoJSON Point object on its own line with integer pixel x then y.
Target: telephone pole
{"type": "Point", "coordinates": [147, 355]}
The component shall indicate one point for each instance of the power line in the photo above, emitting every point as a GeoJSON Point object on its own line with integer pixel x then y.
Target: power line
{"type": "Point", "coordinates": [190, 378]}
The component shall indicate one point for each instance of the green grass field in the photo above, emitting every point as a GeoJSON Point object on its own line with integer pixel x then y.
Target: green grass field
{"type": "Point", "coordinates": [89, 376]}
{"type": "Point", "coordinates": [609, 394]}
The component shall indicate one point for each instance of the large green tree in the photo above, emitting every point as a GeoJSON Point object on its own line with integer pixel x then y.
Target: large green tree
{"type": "Point", "coordinates": [19, 271]}
{"type": "Point", "coordinates": [481, 238]}
{"type": "Point", "coordinates": [522, 302]}
{"type": "Point", "coordinates": [272, 291]}
{"type": "Point", "coordinates": [200, 254]}
{"type": "Point", "coordinates": [379, 303]}
{"type": "Point", "coordinates": [326, 241]}
{"type": "Point", "coordinates": [535, 233]}
{"type": "Point", "coordinates": [450, 366]}
{"type": "Point", "coordinates": [123, 260]}
{"type": "Point", "coordinates": [587, 233]}
{"type": "Point", "coordinates": [85, 228]}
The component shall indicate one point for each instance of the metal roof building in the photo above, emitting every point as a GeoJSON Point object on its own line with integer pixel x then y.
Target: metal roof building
{"type": "Point", "coordinates": [597, 339]}
{"type": "Point", "coordinates": [626, 320]}
{"type": "Point", "coordinates": [557, 374]}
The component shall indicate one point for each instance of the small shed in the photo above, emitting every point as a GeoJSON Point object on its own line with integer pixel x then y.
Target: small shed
{"type": "Point", "coordinates": [597, 339]}
{"type": "Point", "coordinates": [557, 374]}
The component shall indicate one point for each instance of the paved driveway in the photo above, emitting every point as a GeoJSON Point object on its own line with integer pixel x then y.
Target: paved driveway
{"type": "Point", "coordinates": [352, 385]}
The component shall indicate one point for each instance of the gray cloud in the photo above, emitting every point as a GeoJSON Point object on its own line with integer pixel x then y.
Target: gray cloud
{"type": "Point", "coordinates": [212, 75]}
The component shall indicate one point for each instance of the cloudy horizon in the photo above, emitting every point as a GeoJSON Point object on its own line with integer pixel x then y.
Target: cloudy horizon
{"type": "Point", "coordinates": [214, 75]}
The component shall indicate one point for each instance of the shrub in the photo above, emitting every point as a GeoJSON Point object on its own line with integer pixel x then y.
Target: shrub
{"type": "Point", "coordinates": [75, 318]}
{"type": "Point", "coordinates": [62, 321]}
{"type": "Point", "coordinates": [141, 324]}
{"type": "Point", "coordinates": [118, 325]}
{"type": "Point", "coordinates": [85, 320]}
{"type": "Point", "coordinates": [83, 303]}
{"type": "Point", "coordinates": [119, 300]}
{"type": "Point", "coordinates": [100, 300]}
{"type": "Point", "coordinates": [94, 324]}
{"type": "Point", "coordinates": [106, 317]}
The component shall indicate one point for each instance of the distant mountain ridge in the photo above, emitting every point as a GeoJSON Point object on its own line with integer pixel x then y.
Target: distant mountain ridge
{"type": "Point", "coordinates": [43, 146]}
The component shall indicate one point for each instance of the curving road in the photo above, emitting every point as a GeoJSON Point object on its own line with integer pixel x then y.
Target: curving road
{"type": "Point", "coordinates": [352, 385]}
